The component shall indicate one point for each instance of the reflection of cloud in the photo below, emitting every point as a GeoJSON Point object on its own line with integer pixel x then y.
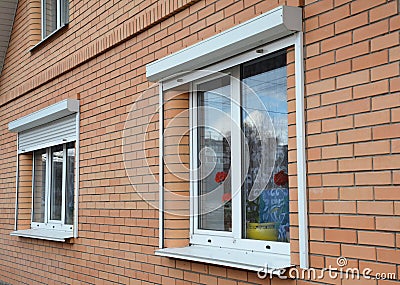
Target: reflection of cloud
{"type": "Point", "coordinates": [260, 133]}
{"type": "Point", "coordinates": [271, 84]}
{"type": "Point", "coordinates": [281, 129]}
{"type": "Point", "coordinates": [261, 121]}
{"type": "Point", "coordinates": [217, 123]}
{"type": "Point", "coordinates": [215, 111]}
{"type": "Point", "coordinates": [266, 92]}
{"type": "Point", "coordinates": [269, 125]}
{"type": "Point", "coordinates": [223, 125]}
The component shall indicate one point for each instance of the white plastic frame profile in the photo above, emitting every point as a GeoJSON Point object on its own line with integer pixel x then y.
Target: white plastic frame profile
{"type": "Point", "coordinates": [234, 238]}
{"type": "Point", "coordinates": [43, 19]}
{"type": "Point", "coordinates": [161, 166]}
{"type": "Point", "coordinates": [301, 151]}
{"type": "Point", "coordinates": [76, 192]}
{"type": "Point", "coordinates": [48, 222]}
{"type": "Point", "coordinates": [295, 40]}
{"type": "Point", "coordinates": [16, 189]}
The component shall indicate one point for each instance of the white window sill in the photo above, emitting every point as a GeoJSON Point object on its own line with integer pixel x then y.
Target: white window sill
{"type": "Point", "coordinates": [243, 259]}
{"type": "Point", "coordinates": [53, 235]}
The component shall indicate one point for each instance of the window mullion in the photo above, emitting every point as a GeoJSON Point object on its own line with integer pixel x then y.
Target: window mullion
{"type": "Point", "coordinates": [194, 166]}
{"type": "Point", "coordinates": [49, 161]}
{"type": "Point", "coordinates": [64, 182]}
{"type": "Point", "coordinates": [236, 160]}
{"type": "Point", "coordinates": [58, 13]}
{"type": "Point", "coordinates": [193, 159]}
{"type": "Point", "coordinates": [33, 184]}
{"type": "Point", "coordinates": [43, 18]}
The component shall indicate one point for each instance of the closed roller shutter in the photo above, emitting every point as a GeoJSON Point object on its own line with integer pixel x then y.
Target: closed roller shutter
{"type": "Point", "coordinates": [57, 132]}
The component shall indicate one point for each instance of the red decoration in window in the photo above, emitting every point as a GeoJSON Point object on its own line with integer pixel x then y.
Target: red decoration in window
{"type": "Point", "coordinates": [220, 176]}
{"type": "Point", "coordinates": [281, 178]}
{"type": "Point", "coordinates": [226, 197]}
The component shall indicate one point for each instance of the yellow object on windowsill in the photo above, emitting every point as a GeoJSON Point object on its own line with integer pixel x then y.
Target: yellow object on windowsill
{"type": "Point", "coordinates": [262, 231]}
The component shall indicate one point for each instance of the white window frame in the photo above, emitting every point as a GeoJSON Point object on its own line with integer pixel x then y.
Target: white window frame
{"type": "Point", "coordinates": [225, 239]}
{"type": "Point", "coordinates": [62, 16]}
{"type": "Point", "coordinates": [273, 30]}
{"type": "Point", "coordinates": [48, 223]}
{"type": "Point", "coordinates": [254, 249]}
{"type": "Point", "coordinates": [47, 117]}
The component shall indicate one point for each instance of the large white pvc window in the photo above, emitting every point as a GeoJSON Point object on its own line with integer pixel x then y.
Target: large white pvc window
{"type": "Point", "coordinates": [240, 157]}
{"type": "Point", "coordinates": [239, 201]}
{"type": "Point", "coordinates": [54, 15]}
{"type": "Point", "coordinates": [231, 163]}
{"type": "Point", "coordinates": [53, 187]}
{"type": "Point", "coordinates": [239, 160]}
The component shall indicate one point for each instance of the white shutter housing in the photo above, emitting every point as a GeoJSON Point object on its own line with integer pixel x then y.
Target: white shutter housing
{"type": "Point", "coordinates": [60, 131]}
{"type": "Point", "coordinates": [50, 126]}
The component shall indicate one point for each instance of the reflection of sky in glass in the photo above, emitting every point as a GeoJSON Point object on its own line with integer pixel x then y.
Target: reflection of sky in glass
{"type": "Point", "coordinates": [214, 156]}
{"type": "Point", "coordinates": [56, 182]}
{"type": "Point", "coordinates": [218, 107]}
{"type": "Point", "coordinates": [270, 87]}
{"type": "Point", "coordinates": [265, 121]}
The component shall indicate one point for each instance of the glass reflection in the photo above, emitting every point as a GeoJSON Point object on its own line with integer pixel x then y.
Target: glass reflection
{"type": "Point", "coordinates": [214, 132]}
{"type": "Point", "coordinates": [50, 9]}
{"type": "Point", "coordinates": [70, 184]}
{"type": "Point", "coordinates": [39, 185]}
{"type": "Point", "coordinates": [265, 125]}
{"type": "Point", "coordinates": [56, 182]}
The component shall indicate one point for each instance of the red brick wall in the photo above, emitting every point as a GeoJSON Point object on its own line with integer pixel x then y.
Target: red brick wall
{"type": "Point", "coordinates": [352, 101]}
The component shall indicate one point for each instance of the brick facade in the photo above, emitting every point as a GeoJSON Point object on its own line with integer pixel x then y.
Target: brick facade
{"type": "Point", "coordinates": [352, 85]}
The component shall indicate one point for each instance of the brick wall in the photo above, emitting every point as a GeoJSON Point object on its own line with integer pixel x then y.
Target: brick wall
{"type": "Point", "coordinates": [25, 191]}
{"type": "Point", "coordinates": [176, 174]}
{"type": "Point", "coordinates": [352, 75]}
{"type": "Point", "coordinates": [352, 101]}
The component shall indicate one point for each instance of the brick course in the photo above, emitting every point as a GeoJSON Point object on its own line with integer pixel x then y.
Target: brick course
{"type": "Point", "coordinates": [352, 122]}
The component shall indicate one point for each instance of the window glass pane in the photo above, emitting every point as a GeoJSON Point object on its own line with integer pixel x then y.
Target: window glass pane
{"type": "Point", "coordinates": [64, 11]}
{"type": "Point", "coordinates": [265, 125]}
{"type": "Point", "coordinates": [70, 184]}
{"type": "Point", "coordinates": [214, 157]}
{"type": "Point", "coordinates": [39, 185]}
{"type": "Point", "coordinates": [50, 17]}
{"type": "Point", "coordinates": [56, 182]}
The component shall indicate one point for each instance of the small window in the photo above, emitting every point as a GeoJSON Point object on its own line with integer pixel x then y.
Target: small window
{"type": "Point", "coordinates": [47, 172]}
{"type": "Point", "coordinates": [54, 16]}
{"type": "Point", "coordinates": [53, 187]}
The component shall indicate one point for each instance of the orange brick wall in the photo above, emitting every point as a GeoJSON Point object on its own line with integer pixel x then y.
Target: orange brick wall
{"type": "Point", "coordinates": [25, 191]}
{"type": "Point", "coordinates": [176, 174]}
{"type": "Point", "coordinates": [353, 136]}
{"type": "Point", "coordinates": [352, 76]}
{"type": "Point", "coordinates": [292, 158]}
